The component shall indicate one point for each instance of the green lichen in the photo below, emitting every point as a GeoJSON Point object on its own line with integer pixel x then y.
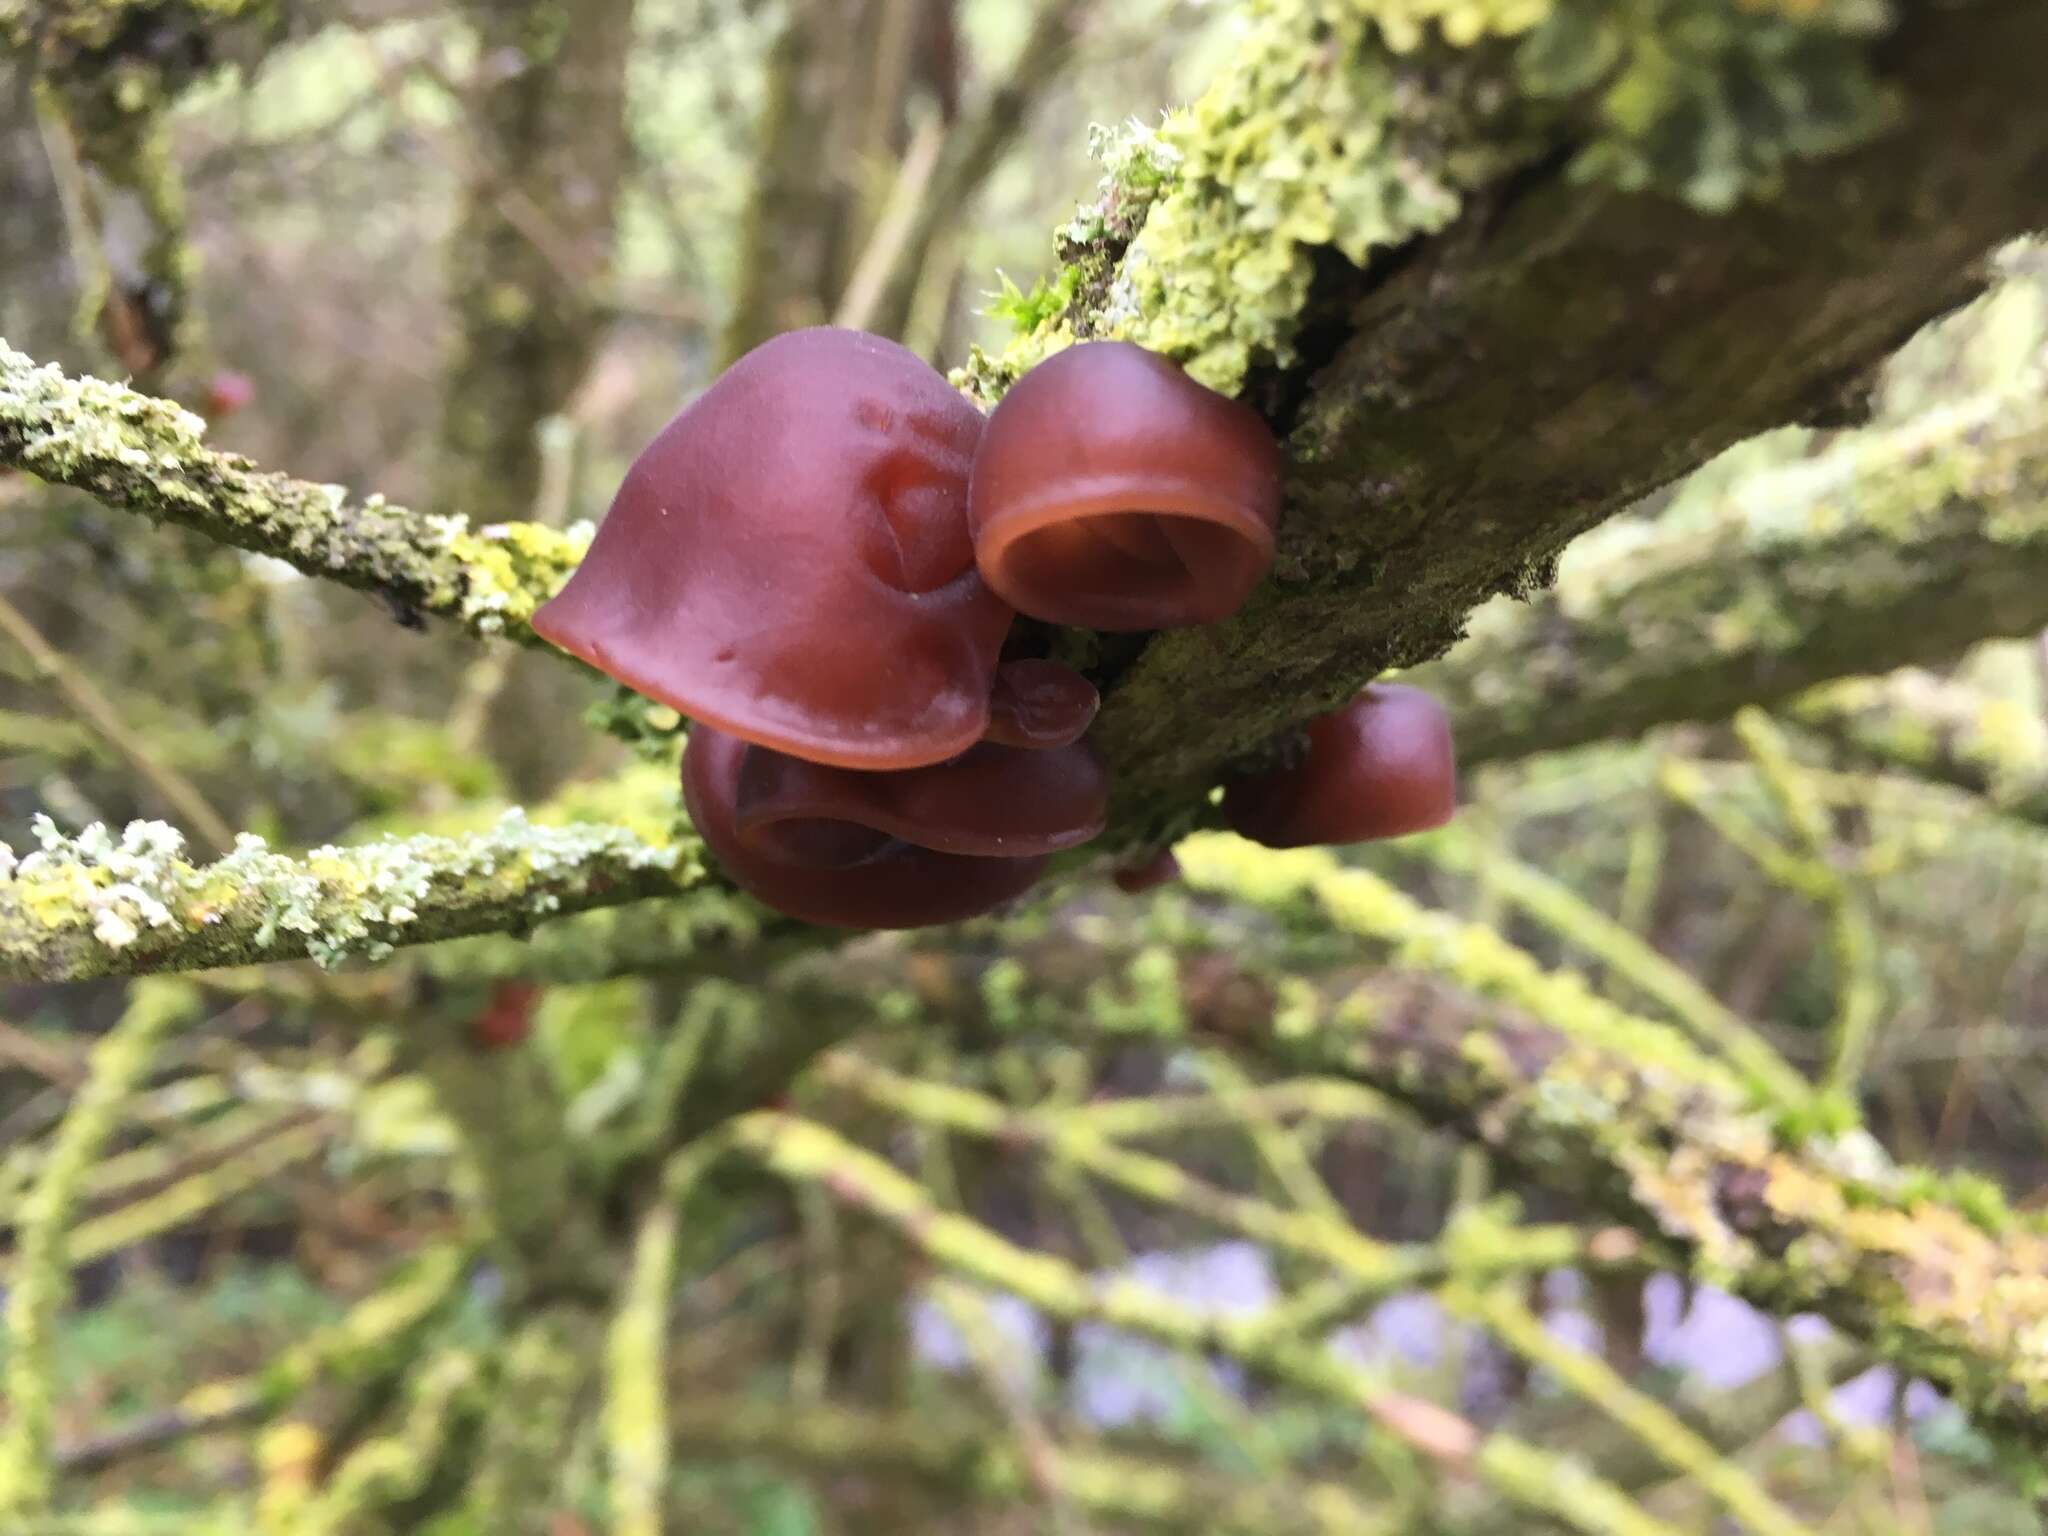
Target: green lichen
{"type": "Point", "coordinates": [1709, 99]}
{"type": "Point", "coordinates": [1359, 125]}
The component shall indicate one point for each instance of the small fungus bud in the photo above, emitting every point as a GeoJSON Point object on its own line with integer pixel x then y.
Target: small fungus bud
{"type": "Point", "coordinates": [1136, 879]}
{"type": "Point", "coordinates": [1040, 705]}
{"type": "Point", "coordinates": [507, 1018]}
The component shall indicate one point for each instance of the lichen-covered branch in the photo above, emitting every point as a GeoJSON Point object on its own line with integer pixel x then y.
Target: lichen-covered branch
{"type": "Point", "coordinates": [1794, 1212]}
{"type": "Point", "coordinates": [103, 905]}
{"type": "Point", "coordinates": [1898, 544]}
{"type": "Point", "coordinates": [1941, 1278]}
{"type": "Point", "coordinates": [1374, 234]}
{"type": "Point", "coordinates": [375, 1336]}
{"type": "Point", "coordinates": [147, 456]}
{"type": "Point", "coordinates": [810, 1154]}
{"type": "Point", "coordinates": [971, 1461]}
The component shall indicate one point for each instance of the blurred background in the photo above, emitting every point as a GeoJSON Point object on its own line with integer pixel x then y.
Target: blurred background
{"type": "Point", "coordinates": [406, 258]}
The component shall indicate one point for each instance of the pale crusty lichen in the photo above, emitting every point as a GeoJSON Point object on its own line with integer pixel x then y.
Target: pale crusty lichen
{"type": "Point", "coordinates": [145, 455]}
{"type": "Point", "coordinates": [99, 904]}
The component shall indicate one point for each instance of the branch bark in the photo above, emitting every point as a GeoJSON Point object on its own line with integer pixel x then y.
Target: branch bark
{"type": "Point", "coordinates": [147, 456]}
{"type": "Point", "coordinates": [1897, 545]}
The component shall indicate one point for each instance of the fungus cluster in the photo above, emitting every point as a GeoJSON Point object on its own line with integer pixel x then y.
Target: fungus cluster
{"type": "Point", "coordinates": [820, 562]}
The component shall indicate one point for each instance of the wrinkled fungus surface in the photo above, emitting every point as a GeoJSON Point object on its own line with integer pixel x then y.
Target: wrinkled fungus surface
{"type": "Point", "coordinates": [1113, 492]}
{"type": "Point", "coordinates": [789, 560]}
{"type": "Point", "coordinates": [1382, 766]}
{"type": "Point", "coordinates": [824, 870]}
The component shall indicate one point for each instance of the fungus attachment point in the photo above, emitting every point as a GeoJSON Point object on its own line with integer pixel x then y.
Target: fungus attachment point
{"type": "Point", "coordinates": [1382, 766]}
{"type": "Point", "coordinates": [1040, 705]}
{"type": "Point", "coordinates": [889, 850]}
{"type": "Point", "coordinates": [789, 561]}
{"type": "Point", "coordinates": [1112, 491]}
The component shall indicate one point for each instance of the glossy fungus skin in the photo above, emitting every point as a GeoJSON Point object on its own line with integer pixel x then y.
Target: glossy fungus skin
{"type": "Point", "coordinates": [1040, 705]}
{"type": "Point", "coordinates": [1136, 879]}
{"type": "Point", "coordinates": [1382, 766]}
{"type": "Point", "coordinates": [836, 873]}
{"type": "Point", "coordinates": [789, 562]}
{"type": "Point", "coordinates": [1113, 492]}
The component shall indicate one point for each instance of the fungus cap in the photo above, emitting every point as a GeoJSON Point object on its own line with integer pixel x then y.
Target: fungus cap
{"type": "Point", "coordinates": [1382, 766]}
{"type": "Point", "coordinates": [871, 880]}
{"type": "Point", "coordinates": [1111, 491]}
{"type": "Point", "coordinates": [789, 561]}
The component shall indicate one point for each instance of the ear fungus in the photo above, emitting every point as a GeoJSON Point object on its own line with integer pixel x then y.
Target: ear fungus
{"type": "Point", "coordinates": [1382, 766]}
{"type": "Point", "coordinates": [855, 850]}
{"type": "Point", "coordinates": [1111, 491]}
{"type": "Point", "coordinates": [788, 561]}
{"type": "Point", "coordinates": [1136, 879]}
{"type": "Point", "coordinates": [1040, 705]}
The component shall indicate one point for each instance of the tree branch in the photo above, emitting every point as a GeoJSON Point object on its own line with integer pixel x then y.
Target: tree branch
{"type": "Point", "coordinates": [965, 1460]}
{"type": "Point", "coordinates": [96, 905]}
{"type": "Point", "coordinates": [147, 456]}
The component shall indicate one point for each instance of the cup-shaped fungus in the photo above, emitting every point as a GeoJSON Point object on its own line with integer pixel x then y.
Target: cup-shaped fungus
{"type": "Point", "coordinates": [1382, 766]}
{"type": "Point", "coordinates": [1111, 491]}
{"type": "Point", "coordinates": [789, 560]}
{"type": "Point", "coordinates": [889, 850]}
